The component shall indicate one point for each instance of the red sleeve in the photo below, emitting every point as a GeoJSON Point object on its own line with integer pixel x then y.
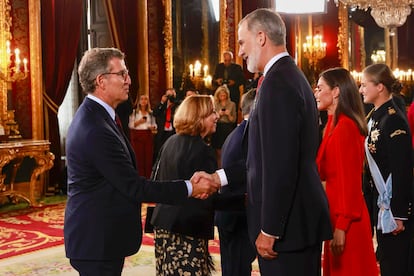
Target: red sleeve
{"type": "Point", "coordinates": [349, 151]}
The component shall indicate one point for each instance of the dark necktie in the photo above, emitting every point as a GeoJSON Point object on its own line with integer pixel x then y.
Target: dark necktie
{"type": "Point", "coordinates": [259, 83]}
{"type": "Point", "coordinates": [119, 123]}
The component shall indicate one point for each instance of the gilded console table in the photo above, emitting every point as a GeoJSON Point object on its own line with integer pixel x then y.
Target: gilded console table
{"type": "Point", "coordinates": [12, 154]}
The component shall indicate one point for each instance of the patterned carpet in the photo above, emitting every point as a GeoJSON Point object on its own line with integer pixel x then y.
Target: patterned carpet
{"type": "Point", "coordinates": [31, 243]}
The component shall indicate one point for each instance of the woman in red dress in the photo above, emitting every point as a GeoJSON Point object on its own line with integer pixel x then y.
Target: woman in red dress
{"type": "Point", "coordinates": [340, 163]}
{"type": "Point", "coordinates": [142, 127]}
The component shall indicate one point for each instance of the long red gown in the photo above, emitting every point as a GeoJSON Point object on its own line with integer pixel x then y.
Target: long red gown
{"type": "Point", "coordinates": [340, 163]}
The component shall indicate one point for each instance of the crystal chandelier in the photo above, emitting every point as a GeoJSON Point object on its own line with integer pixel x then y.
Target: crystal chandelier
{"type": "Point", "coordinates": [386, 13]}
{"type": "Point", "coordinates": [314, 49]}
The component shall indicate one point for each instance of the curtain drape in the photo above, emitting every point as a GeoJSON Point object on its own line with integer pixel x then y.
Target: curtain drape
{"type": "Point", "coordinates": [123, 24]}
{"type": "Point", "coordinates": [61, 26]}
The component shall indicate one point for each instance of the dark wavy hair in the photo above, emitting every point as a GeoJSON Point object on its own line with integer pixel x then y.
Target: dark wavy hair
{"type": "Point", "coordinates": [349, 101]}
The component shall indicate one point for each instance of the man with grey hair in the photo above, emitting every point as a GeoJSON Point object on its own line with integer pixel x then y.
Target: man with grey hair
{"type": "Point", "coordinates": [287, 208]}
{"type": "Point", "coordinates": [103, 211]}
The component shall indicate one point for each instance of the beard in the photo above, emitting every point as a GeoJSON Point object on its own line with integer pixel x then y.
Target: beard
{"type": "Point", "coordinates": [253, 60]}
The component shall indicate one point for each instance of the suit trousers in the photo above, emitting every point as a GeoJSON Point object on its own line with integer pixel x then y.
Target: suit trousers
{"type": "Point", "coordinates": [306, 262]}
{"type": "Point", "coordinates": [236, 251]}
{"type": "Point", "coordinates": [395, 252]}
{"type": "Point", "coordinates": [98, 267]}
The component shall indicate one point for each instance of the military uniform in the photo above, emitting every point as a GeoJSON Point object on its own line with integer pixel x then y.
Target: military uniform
{"type": "Point", "coordinates": [389, 142]}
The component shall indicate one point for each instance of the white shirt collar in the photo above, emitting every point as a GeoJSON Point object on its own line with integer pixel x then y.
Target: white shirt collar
{"type": "Point", "coordinates": [107, 107]}
{"type": "Point", "coordinates": [273, 60]}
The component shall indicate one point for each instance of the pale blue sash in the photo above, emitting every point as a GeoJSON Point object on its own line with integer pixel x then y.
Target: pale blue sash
{"type": "Point", "coordinates": [386, 221]}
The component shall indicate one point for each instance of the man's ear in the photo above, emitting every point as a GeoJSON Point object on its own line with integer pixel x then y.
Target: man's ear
{"type": "Point", "coordinates": [261, 38]}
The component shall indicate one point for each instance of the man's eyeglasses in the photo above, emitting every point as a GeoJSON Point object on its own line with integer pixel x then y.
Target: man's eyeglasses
{"type": "Point", "coordinates": [123, 73]}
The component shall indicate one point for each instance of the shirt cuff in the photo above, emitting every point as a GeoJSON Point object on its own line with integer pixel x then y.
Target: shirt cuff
{"type": "Point", "coordinates": [223, 178]}
{"type": "Point", "coordinates": [189, 187]}
{"type": "Point", "coordinates": [268, 235]}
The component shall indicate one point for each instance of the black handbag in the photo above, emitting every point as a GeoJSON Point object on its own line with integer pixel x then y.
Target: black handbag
{"type": "Point", "coordinates": [148, 227]}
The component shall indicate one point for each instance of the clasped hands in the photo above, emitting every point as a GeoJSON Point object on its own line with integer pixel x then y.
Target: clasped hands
{"type": "Point", "coordinates": [204, 184]}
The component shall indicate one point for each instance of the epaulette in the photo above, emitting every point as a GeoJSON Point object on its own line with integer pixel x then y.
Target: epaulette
{"type": "Point", "coordinates": [391, 111]}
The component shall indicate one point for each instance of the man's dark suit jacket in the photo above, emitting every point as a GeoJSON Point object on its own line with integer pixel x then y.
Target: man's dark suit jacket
{"type": "Point", "coordinates": [103, 211]}
{"type": "Point", "coordinates": [285, 194]}
{"type": "Point", "coordinates": [233, 152]}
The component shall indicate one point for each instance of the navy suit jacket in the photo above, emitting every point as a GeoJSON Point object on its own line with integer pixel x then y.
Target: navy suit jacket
{"type": "Point", "coordinates": [233, 153]}
{"type": "Point", "coordinates": [285, 194]}
{"type": "Point", "coordinates": [103, 211]}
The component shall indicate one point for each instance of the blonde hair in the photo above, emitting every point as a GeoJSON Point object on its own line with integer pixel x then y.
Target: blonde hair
{"type": "Point", "coordinates": [190, 114]}
{"type": "Point", "coordinates": [219, 90]}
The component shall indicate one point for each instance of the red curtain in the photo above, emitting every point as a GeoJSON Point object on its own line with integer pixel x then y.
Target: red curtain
{"type": "Point", "coordinates": [61, 26]}
{"type": "Point", "coordinates": [122, 17]}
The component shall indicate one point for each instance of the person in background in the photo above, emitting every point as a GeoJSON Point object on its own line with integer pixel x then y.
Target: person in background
{"type": "Point", "coordinates": [340, 162]}
{"type": "Point", "coordinates": [226, 109]}
{"type": "Point", "coordinates": [230, 74]}
{"type": "Point", "coordinates": [182, 232]}
{"type": "Point", "coordinates": [236, 251]}
{"type": "Point", "coordinates": [190, 93]}
{"type": "Point", "coordinates": [287, 209]}
{"type": "Point", "coordinates": [388, 152]}
{"type": "Point", "coordinates": [164, 115]}
{"type": "Point", "coordinates": [103, 211]}
{"type": "Point", "coordinates": [142, 126]}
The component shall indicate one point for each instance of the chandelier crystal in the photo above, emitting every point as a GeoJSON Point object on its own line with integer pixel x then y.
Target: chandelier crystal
{"type": "Point", "coordinates": [386, 13]}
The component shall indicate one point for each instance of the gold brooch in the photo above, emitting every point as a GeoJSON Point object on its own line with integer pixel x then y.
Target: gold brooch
{"type": "Point", "coordinates": [374, 135]}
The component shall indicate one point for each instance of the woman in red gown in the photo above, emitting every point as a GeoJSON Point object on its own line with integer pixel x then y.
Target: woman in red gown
{"type": "Point", "coordinates": [340, 163]}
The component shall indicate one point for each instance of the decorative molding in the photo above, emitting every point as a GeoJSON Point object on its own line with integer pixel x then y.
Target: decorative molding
{"type": "Point", "coordinates": [36, 74]}
{"type": "Point", "coordinates": [224, 38]}
{"type": "Point", "coordinates": [343, 41]}
{"type": "Point", "coordinates": [168, 46]}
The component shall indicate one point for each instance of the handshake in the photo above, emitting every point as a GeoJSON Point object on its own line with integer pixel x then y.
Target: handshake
{"type": "Point", "coordinates": [204, 184]}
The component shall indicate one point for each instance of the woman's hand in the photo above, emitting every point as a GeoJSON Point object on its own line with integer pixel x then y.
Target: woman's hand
{"type": "Point", "coordinates": [337, 244]}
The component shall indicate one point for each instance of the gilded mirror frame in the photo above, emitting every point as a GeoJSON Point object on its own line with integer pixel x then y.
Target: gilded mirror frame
{"type": "Point", "coordinates": [35, 65]}
{"type": "Point", "coordinates": [168, 35]}
{"type": "Point", "coordinates": [36, 74]}
{"type": "Point", "coordinates": [347, 49]}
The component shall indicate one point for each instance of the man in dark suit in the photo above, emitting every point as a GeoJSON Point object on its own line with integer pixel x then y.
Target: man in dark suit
{"type": "Point", "coordinates": [236, 251]}
{"type": "Point", "coordinates": [230, 74]}
{"type": "Point", "coordinates": [287, 209]}
{"type": "Point", "coordinates": [103, 211]}
{"type": "Point", "coordinates": [164, 116]}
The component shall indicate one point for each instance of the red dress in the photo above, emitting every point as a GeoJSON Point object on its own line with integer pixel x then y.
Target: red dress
{"type": "Point", "coordinates": [340, 162]}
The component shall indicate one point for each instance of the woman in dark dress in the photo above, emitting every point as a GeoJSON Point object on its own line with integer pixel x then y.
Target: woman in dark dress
{"type": "Point", "coordinates": [182, 232]}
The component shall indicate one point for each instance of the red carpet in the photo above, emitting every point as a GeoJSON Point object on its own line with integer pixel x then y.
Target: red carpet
{"type": "Point", "coordinates": [32, 229]}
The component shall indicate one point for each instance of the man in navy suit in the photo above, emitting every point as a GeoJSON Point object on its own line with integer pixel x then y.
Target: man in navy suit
{"type": "Point", "coordinates": [103, 211]}
{"type": "Point", "coordinates": [236, 251]}
{"type": "Point", "coordinates": [287, 209]}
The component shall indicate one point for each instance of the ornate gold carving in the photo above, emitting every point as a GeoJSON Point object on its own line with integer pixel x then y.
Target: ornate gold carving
{"type": "Point", "coordinates": [224, 38]}
{"type": "Point", "coordinates": [343, 41]}
{"type": "Point", "coordinates": [168, 52]}
{"type": "Point", "coordinates": [15, 152]}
